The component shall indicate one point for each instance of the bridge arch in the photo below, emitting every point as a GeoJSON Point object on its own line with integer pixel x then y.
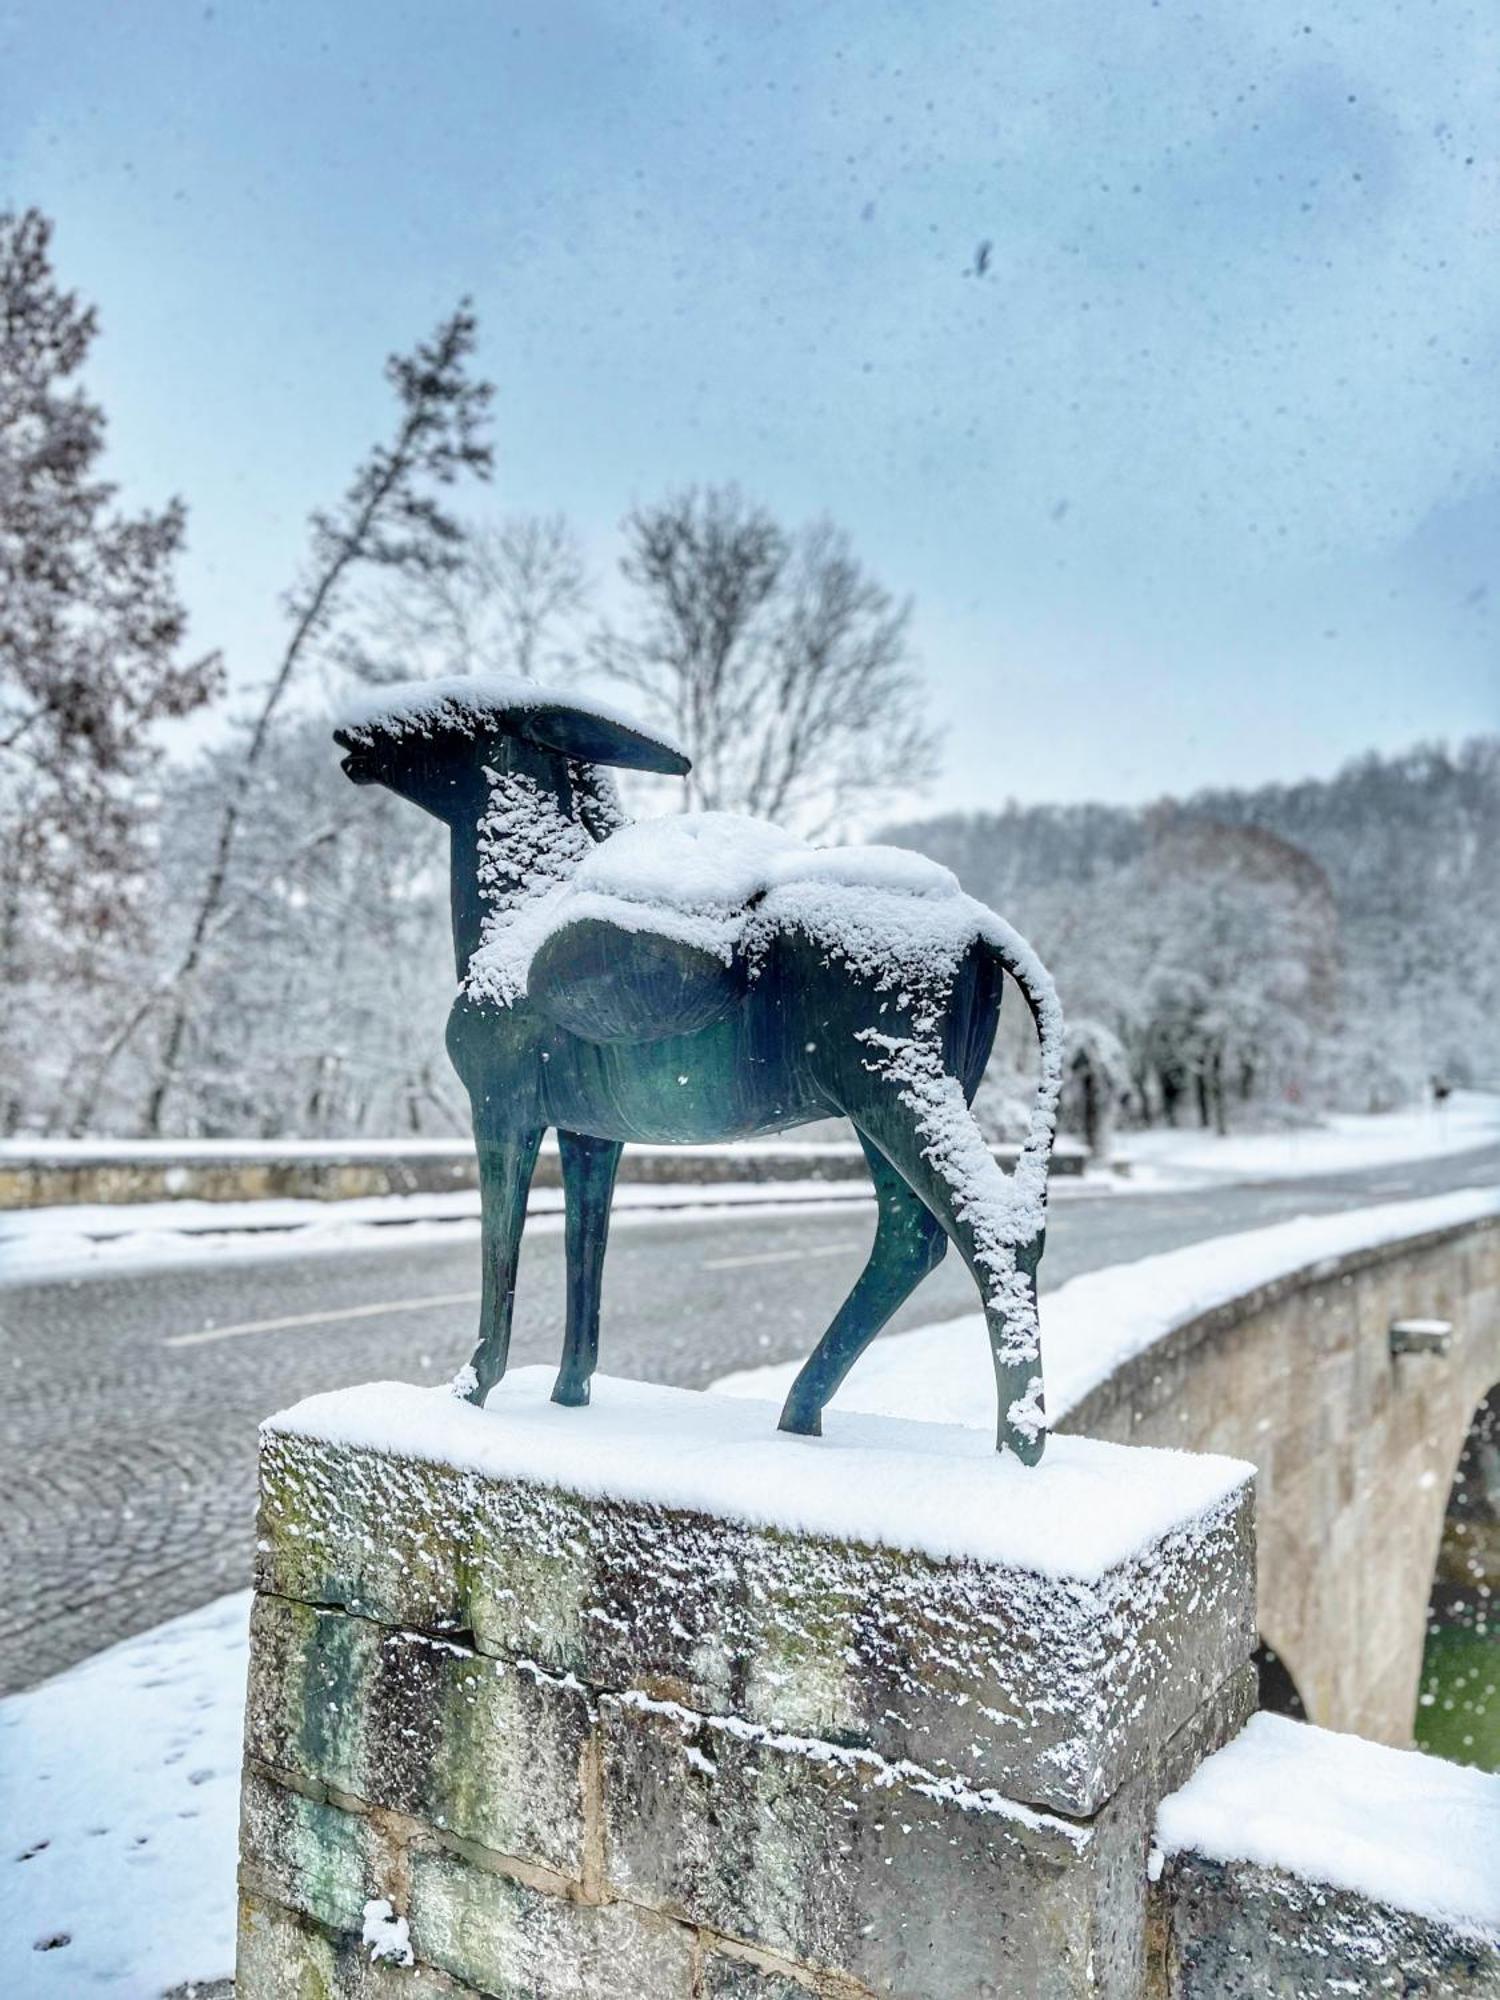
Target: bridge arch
{"type": "Point", "coordinates": [1356, 1447]}
{"type": "Point", "coordinates": [1458, 1712]}
{"type": "Point", "coordinates": [1277, 1692]}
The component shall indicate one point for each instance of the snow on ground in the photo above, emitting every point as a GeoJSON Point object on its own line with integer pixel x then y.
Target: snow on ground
{"type": "Point", "coordinates": [1415, 1832]}
{"type": "Point", "coordinates": [1095, 1322]}
{"type": "Point", "coordinates": [82, 1239]}
{"type": "Point", "coordinates": [163, 1152]}
{"type": "Point", "coordinates": [1341, 1144]}
{"type": "Point", "coordinates": [37, 1244]}
{"type": "Point", "coordinates": [119, 1796]}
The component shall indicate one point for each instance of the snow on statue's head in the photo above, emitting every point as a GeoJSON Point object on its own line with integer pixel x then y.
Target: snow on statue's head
{"type": "Point", "coordinates": [433, 742]}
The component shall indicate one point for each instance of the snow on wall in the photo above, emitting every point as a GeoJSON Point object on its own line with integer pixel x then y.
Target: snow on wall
{"type": "Point", "coordinates": [1005, 1631]}
{"type": "Point", "coordinates": [1411, 1831]}
{"type": "Point", "coordinates": [935, 1489]}
{"type": "Point", "coordinates": [1094, 1324]}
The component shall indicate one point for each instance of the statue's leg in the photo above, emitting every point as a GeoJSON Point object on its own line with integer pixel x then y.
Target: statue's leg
{"type": "Point", "coordinates": [588, 1174]}
{"type": "Point", "coordinates": [920, 1121]}
{"type": "Point", "coordinates": [506, 1161]}
{"type": "Point", "coordinates": [909, 1242]}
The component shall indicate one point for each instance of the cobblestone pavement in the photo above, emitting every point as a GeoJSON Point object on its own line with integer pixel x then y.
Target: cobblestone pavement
{"type": "Point", "coordinates": [129, 1462]}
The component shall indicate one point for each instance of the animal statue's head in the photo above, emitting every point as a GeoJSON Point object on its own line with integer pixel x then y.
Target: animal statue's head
{"type": "Point", "coordinates": [442, 743]}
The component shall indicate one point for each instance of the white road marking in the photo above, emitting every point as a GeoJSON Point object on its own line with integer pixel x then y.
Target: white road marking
{"type": "Point", "coordinates": [210, 1333]}
{"type": "Point", "coordinates": [776, 1256]}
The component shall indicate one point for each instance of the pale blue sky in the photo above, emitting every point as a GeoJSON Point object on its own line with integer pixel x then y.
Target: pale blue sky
{"type": "Point", "coordinates": [1198, 484]}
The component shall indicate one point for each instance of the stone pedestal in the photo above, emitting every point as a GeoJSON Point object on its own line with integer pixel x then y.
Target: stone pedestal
{"type": "Point", "coordinates": [647, 1700]}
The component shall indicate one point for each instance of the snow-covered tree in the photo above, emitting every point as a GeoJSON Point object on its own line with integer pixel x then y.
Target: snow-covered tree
{"type": "Point", "coordinates": [1096, 1082]}
{"type": "Point", "coordinates": [322, 1005]}
{"type": "Point", "coordinates": [1407, 899]}
{"type": "Point", "coordinates": [92, 659]}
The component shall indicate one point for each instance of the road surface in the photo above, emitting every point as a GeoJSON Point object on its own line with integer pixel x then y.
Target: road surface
{"type": "Point", "coordinates": [128, 1435]}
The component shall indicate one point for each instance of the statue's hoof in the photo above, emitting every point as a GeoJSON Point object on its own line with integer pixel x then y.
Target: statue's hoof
{"type": "Point", "coordinates": [1027, 1446]}
{"type": "Point", "coordinates": [802, 1423]}
{"type": "Point", "coordinates": [572, 1395]}
{"type": "Point", "coordinates": [468, 1387]}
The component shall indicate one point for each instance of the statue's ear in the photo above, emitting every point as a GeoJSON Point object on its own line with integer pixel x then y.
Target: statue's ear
{"type": "Point", "coordinates": [594, 739]}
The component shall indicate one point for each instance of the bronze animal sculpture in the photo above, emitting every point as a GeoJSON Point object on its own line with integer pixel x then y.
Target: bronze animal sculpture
{"type": "Point", "coordinates": [707, 977]}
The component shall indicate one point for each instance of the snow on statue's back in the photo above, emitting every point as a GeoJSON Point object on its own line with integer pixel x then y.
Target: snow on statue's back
{"type": "Point", "coordinates": [704, 977]}
{"type": "Point", "coordinates": [661, 926]}
{"type": "Point", "coordinates": [645, 941]}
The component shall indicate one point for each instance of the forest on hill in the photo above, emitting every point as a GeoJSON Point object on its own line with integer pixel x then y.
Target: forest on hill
{"type": "Point", "coordinates": [1271, 951]}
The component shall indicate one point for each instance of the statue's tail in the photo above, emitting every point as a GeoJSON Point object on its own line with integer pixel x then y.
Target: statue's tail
{"type": "Point", "coordinates": [1040, 995]}
{"type": "Point", "coordinates": [1015, 1331]}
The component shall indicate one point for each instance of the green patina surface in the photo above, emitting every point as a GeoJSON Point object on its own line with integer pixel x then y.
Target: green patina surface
{"type": "Point", "coordinates": [309, 1855]}
{"type": "Point", "coordinates": [801, 1670]}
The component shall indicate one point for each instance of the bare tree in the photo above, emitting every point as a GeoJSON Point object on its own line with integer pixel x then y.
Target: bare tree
{"type": "Point", "coordinates": [781, 663]}
{"type": "Point", "coordinates": [506, 605]}
{"type": "Point", "coordinates": [533, 568]}
{"type": "Point", "coordinates": [389, 519]}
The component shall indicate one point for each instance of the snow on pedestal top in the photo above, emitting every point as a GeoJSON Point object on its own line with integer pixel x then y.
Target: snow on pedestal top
{"type": "Point", "coordinates": [935, 1489]}
{"type": "Point", "coordinates": [1398, 1827]}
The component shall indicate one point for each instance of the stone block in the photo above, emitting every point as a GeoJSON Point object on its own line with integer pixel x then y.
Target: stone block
{"type": "Point", "coordinates": [487, 1749]}
{"type": "Point", "coordinates": [1036, 1632]}
{"type": "Point", "coordinates": [1241, 1932]}
{"type": "Point", "coordinates": [647, 1701]}
{"type": "Point", "coordinates": [282, 1955]}
{"type": "Point", "coordinates": [724, 1976]}
{"type": "Point", "coordinates": [472, 1921]}
{"type": "Point", "coordinates": [313, 1857]}
{"type": "Point", "coordinates": [509, 1940]}
{"type": "Point", "coordinates": [844, 1863]}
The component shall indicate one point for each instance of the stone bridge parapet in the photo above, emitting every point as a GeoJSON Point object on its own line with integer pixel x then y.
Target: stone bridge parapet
{"type": "Point", "coordinates": [1355, 1446]}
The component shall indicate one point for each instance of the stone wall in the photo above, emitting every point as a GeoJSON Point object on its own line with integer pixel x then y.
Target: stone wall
{"type": "Point", "coordinates": [1355, 1449]}
{"type": "Point", "coordinates": [42, 1178]}
{"type": "Point", "coordinates": [570, 1735]}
